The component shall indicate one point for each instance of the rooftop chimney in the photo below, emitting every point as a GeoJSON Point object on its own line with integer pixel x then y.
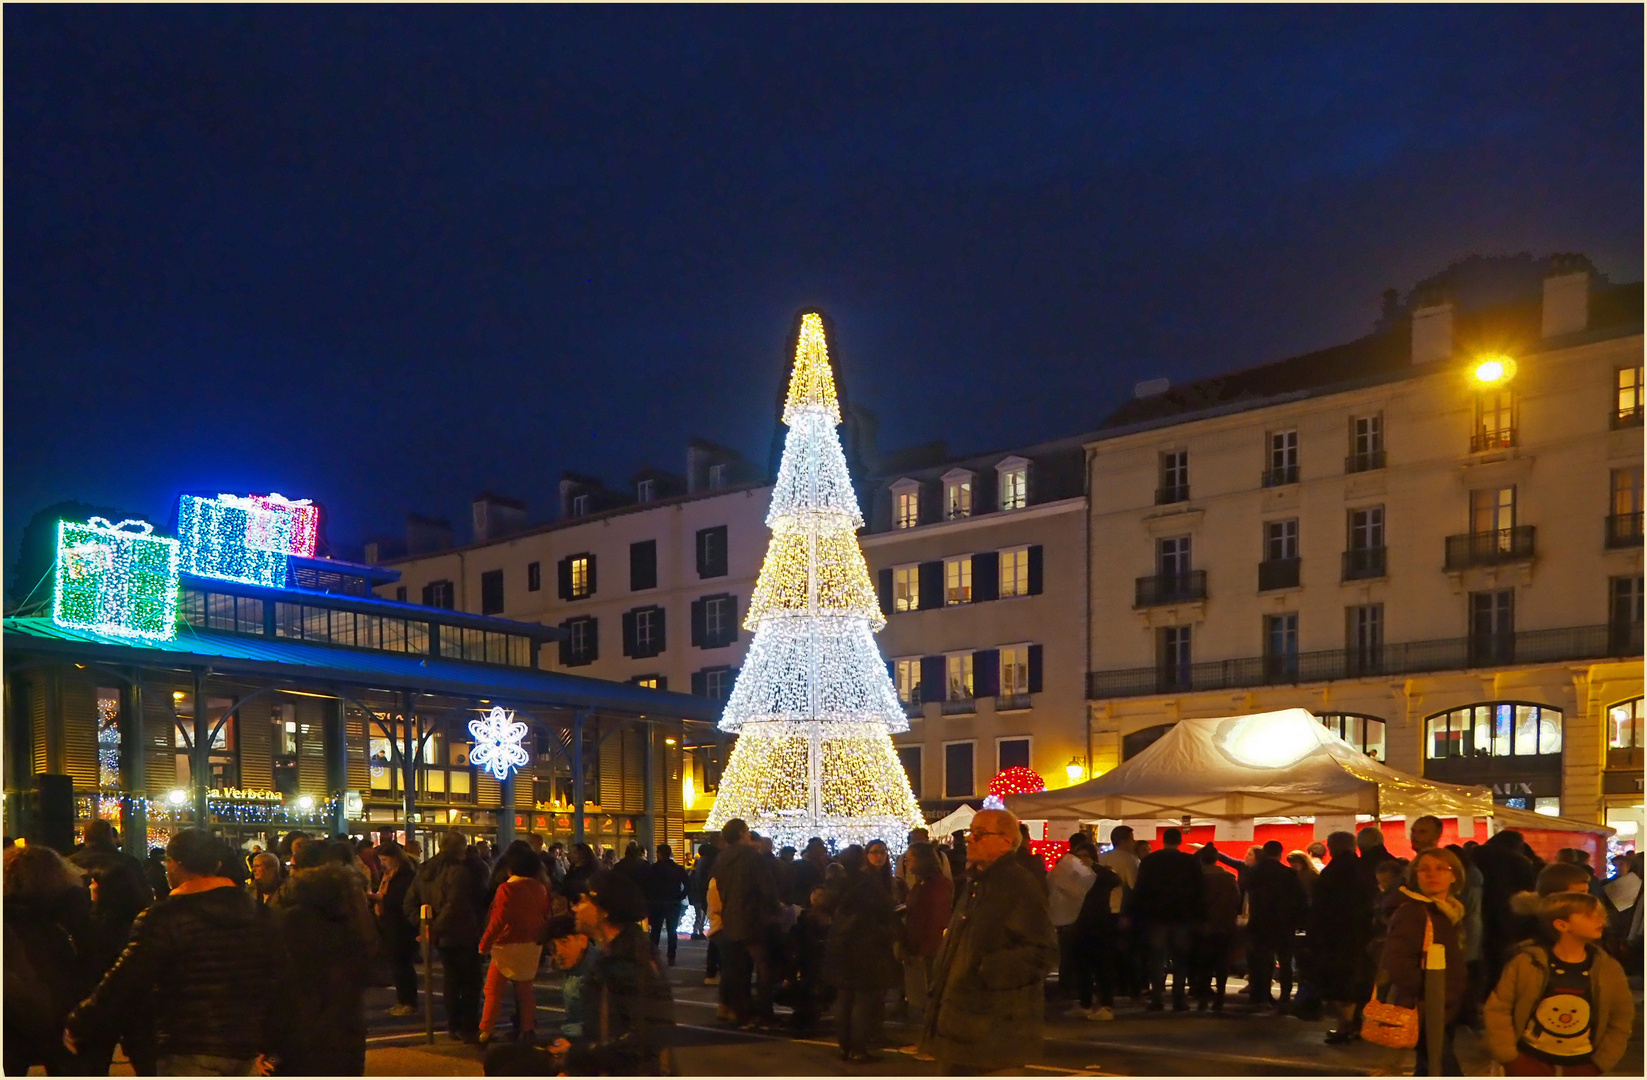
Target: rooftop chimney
{"type": "Point", "coordinates": [496, 516]}
{"type": "Point", "coordinates": [1566, 295]}
{"type": "Point", "coordinates": [427, 534]}
{"type": "Point", "coordinates": [1432, 330]}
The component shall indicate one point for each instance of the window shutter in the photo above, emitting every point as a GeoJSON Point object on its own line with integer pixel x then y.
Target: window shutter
{"type": "Point", "coordinates": [731, 633]}
{"type": "Point", "coordinates": [718, 553]}
{"type": "Point", "coordinates": [563, 572]}
{"type": "Point", "coordinates": [892, 671]}
{"type": "Point", "coordinates": [566, 644]}
{"type": "Point", "coordinates": [986, 673]}
{"type": "Point", "coordinates": [663, 682]}
{"type": "Point", "coordinates": [591, 559]}
{"type": "Point", "coordinates": [700, 684]}
{"type": "Point", "coordinates": [932, 678]}
{"type": "Point", "coordinates": [643, 565]}
{"type": "Point", "coordinates": [1034, 669]}
{"type": "Point", "coordinates": [883, 586]}
{"type": "Point", "coordinates": [986, 576]}
{"type": "Point", "coordinates": [1034, 570]}
{"type": "Point", "coordinates": [931, 583]}
{"type": "Point", "coordinates": [697, 626]}
{"type": "Point", "coordinates": [594, 624]}
{"type": "Point", "coordinates": [700, 554]}
{"type": "Point", "coordinates": [658, 644]}
{"type": "Point", "coordinates": [629, 633]}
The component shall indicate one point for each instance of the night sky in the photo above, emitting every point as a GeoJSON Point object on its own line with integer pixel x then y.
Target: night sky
{"type": "Point", "coordinates": [386, 258]}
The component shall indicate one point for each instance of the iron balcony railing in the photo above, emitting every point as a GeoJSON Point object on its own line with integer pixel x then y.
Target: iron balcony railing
{"type": "Point", "coordinates": [1158, 589]}
{"type": "Point", "coordinates": [1281, 474]}
{"type": "Point", "coordinates": [1624, 530]}
{"type": "Point", "coordinates": [1011, 702]}
{"type": "Point", "coordinates": [960, 706]}
{"type": "Point", "coordinates": [1489, 548]}
{"type": "Point", "coordinates": [1414, 657]}
{"type": "Point", "coordinates": [1362, 563]}
{"type": "Point", "coordinates": [1366, 461]}
{"type": "Point", "coordinates": [1498, 439]}
{"type": "Point", "coordinates": [914, 710]}
{"type": "Point", "coordinates": [1629, 416]}
{"type": "Point", "coordinates": [1175, 493]}
{"type": "Point", "coordinates": [1278, 574]}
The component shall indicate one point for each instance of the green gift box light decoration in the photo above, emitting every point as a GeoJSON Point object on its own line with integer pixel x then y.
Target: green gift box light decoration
{"type": "Point", "coordinates": [119, 580]}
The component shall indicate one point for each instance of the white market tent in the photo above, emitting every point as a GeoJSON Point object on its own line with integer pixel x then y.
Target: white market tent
{"type": "Point", "coordinates": [957, 820]}
{"type": "Point", "coordinates": [1262, 765]}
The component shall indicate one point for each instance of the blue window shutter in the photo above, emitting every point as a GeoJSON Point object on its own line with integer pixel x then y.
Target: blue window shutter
{"type": "Point", "coordinates": [986, 576]}
{"type": "Point", "coordinates": [566, 644]}
{"type": "Point", "coordinates": [986, 673]}
{"type": "Point", "coordinates": [697, 624]}
{"type": "Point", "coordinates": [591, 558]}
{"type": "Point", "coordinates": [700, 684]}
{"type": "Point", "coordinates": [731, 634]}
{"type": "Point", "coordinates": [658, 642]}
{"type": "Point", "coordinates": [594, 628]}
{"type": "Point", "coordinates": [1035, 669]}
{"type": "Point", "coordinates": [563, 572]}
{"type": "Point", "coordinates": [629, 633]}
{"type": "Point", "coordinates": [931, 584]}
{"type": "Point", "coordinates": [883, 586]}
{"type": "Point", "coordinates": [932, 678]}
{"type": "Point", "coordinates": [1035, 570]}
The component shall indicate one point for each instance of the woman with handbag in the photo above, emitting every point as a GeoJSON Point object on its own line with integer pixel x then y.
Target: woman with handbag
{"type": "Point", "coordinates": [1430, 914]}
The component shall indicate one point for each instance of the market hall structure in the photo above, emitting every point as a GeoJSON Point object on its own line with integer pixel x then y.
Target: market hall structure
{"type": "Point", "coordinates": [309, 703]}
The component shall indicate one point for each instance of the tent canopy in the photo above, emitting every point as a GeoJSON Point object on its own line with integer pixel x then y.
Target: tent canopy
{"type": "Point", "coordinates": [1508, 817]}
{"type": "Point", "coordinates": [1275, 764]}
{"type": "Point", "coordinates": [957, 820]}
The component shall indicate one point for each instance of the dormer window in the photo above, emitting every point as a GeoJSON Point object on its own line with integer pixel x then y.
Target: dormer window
{"type": "Point", "coordinates": [717, 475]}
{"type": "Point", "coordinates": [906, 504]}
{"type": "Point", "coordinates": [646, 491]}
{"type": "Point", "coordinates": [957, 494]}
{"type": "Point", "coordinates": [580, 506]}
{"type": "Point", "coordinates": [1013, 483]}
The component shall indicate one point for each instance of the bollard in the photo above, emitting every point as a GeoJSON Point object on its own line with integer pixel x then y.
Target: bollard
{"type": "Point", "coordinates": [428, 975]}
{"type": "Point", "coordinates": [1435, 1005]}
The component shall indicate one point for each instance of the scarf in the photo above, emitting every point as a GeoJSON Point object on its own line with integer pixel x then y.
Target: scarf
{"type": "Point", "coordinates": [1449, 905]}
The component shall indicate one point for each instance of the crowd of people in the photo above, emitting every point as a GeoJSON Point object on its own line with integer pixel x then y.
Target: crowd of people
{"type": "Point", "coordinates": [203, 960]}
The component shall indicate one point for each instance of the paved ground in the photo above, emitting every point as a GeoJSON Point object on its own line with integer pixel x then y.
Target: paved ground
{"type": "Point", "coordinates": [1137, 1043]}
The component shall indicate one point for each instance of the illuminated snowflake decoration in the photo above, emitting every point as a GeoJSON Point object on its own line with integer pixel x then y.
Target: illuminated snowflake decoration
{"type": "Point", "coordinates": [498, 746]}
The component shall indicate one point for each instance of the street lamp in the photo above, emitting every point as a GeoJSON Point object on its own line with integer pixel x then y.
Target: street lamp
{"type": "Point", "coordinates": [1492, 370]}
{"type": "Point", "coordinates": [305, 803]}
{"type": "Point", "coordinates": [177, 796]}
{"type": "Point", "coordinates": [1075, 770]}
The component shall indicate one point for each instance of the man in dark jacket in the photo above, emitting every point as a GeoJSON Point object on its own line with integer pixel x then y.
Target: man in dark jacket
{"type": "Point", "coordinates": [453, 884]}
{"type": "Point", "coordinates": [632, 865]}
{"type": "Point", "coordinates": [205, 961]}
{"type": "Point", "coordinates": [331, 945]}
{"type": "Point", "coordinates": [1505, 871]}
{"type": "Point", "coordinates": [665, 886]}
{"type": "Point", "coordinates": [1373, 854]}
{"type": "Point", "coordinates": [1338, 928]}
{"type": "Point", "coordinates": [1276, 906]}
{"type": "Point", "coordinates": [122, 885]}
{"type": "Point", "coordinates": [988, 999]}
{"type": "Point", "coordinates": [1170, 902]}
{"type": "Point", "coordinates": [749, 910]}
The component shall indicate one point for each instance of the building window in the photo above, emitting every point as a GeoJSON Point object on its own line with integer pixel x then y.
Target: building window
{"type": "Point", "coordinates": [906, 504]}
{"type": "Point", "coordinates": [1283, 458]}
{"type": "Point", "coordinates": [643, 632]}
{"type": "Point", "coordinates": [958, 580]}
{"type": "Point", "coordinates": [958, 770]}
{"type": "Point", "coordinates": [1492, 627]}
{"type": "Point", "coordinates": [712, 552]}
{"type": "Point", "coordinates": [1494, 420]}
{"type": "Point", "coordinates": [582, 580]}
{"type": "Point", "coordinates": [1281, 540]}
{"type": "Point", "coordinates": [438, 594]}
{"type": "Point", "coordinates": [1174, 485]}
{"type": "Point", "coordinates": [581, 643]}
{"type": "Point", "coordinates": [906, 675]}
{"type": "Point", "coordinates": [910, 758]}
{"type": "Point", "coordinates": [1013, 479]}
{"type": "Point", "coordinates": [491, 592]}
{"type": "Point", "coordinates": [1365, 733]}
{"type": "Point", "coordinates": [580, 506]}
{"type": "Point", "coordinates": [643, 565]}
{"type": "Point", "coordinates": [714, 621]}
{"type": "Point", "coordinates": [646, 491]}
{"type": "Point", "coordinates": [1624, 726]}
{"type": "Point", "coordinates": [534, 577]}
{"type": "Point", "coordinates": [1014, 573]}
{"type": "Point", "coordinates": [400, 593]}
{"type": "Point", "coordinates": [1624, 615]}
{"type": "Point", "coordinates": [1011, 754]}
{"type": "Point", "coordinates": [717, 475]}
{"type": "Point", "coordinates": [1364, 543]}
{"type": "Point", "coordinates": [1364, 637]}
{"type": "Point", "coordinates": [1014, 671]}
{"type": "Point", "coordinates": [1624, 521]}
{"type": "Point", "coordinates": [1494, 729]}
{"type": "Point", "coordinates": [1492, 511]}
{"type": "Point", "coordinates": [1281, 645]}
{"type": "Point", "coordinates": [906, 588]}
{"type": "Point", "coordinates": [1172, 658]}
{"type": "Point", "coordinates": [717, 683]}
{"type": "Point", "coordinates": [650, 682]}
{"type": "Point", "coordinates": [1366, 443]}
{"type": "Point", "coordinates": [715, 616]}
{"type": "Point", "coordinates": [1172, 556]}
{"type": "Point", "coordinates": [1628, 406]}
{"type": "Point", "coordinates": [957, 495]}
{"type": "Point", "coordinates": [958, 672]}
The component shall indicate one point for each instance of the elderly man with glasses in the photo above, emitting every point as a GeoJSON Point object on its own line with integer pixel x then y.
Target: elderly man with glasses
{"type": "Point", "coordinates": [989, 997]}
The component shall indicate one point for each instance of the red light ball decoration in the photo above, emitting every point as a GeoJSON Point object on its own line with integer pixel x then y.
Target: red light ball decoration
{"type": "Point", "coordinates": [1017, 780]}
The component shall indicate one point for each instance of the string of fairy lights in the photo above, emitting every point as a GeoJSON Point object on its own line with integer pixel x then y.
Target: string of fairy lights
{"type": "Point", "coordinates": [813, 705]}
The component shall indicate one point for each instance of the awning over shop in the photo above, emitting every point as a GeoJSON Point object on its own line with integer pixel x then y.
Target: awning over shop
{"type": "Point", "coordinates": [1275, 764]}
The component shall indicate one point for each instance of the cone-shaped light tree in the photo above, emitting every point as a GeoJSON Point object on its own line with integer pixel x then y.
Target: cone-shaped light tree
{"type": "Point", "coordinates": [813, 706]}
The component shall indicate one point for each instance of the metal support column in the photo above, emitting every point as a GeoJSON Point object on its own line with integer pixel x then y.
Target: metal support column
{"type": "Point", "coordinates": [337, 765]}
{"type": "Point", "coordinates": [408, 766]}
{"type": "Point", "coordinates": [201, 761]}
{"type": "Point", "coordinates": [134, 814]}
{"type": "Point", "coordinates": [580, 718]}
{"type": "Point", "coordinates": [647, 833]}
{"type": "Point", "coordinates": [506, 813]}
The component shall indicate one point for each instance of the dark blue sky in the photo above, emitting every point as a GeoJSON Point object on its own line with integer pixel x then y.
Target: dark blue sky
{"type": "Point", "coordinates": [387, 257]}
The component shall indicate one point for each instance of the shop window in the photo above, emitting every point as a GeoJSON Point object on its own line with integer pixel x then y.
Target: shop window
{"type": "Point", "coordinates": [1365, 733]}
{"type": "Point", "coordinates": [1624, 725]}
{"type": "Point", "coordinates": [1497, 729]}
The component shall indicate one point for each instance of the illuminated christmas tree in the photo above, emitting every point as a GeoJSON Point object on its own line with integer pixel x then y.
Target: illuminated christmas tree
{"type": "Point", "coordinates": [814, 707]}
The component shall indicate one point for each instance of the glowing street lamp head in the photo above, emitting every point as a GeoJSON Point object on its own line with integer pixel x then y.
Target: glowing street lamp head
{"type": "Point", "coordinates": [305, 803]}
{"type": "Point", "coordinates": [1493, 370]}
{"type": "Point", "coordinates": [177, 796]}
{"type": "Point", "coordinates": [1075, 770]}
